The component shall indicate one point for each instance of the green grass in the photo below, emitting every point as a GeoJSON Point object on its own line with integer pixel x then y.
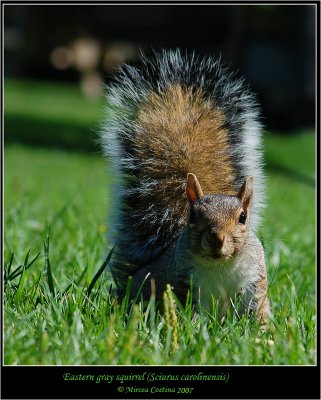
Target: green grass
{"type": "Point", "coordinates": [51, 318]}
{"type": "Point", "coordinates": [50, 114]}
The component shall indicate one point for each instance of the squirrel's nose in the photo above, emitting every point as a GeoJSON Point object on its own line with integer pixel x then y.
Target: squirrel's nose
{"type": "Point", "coordinates": [217, 239]}
{"type": "Point", "coordinates": [220, 238]}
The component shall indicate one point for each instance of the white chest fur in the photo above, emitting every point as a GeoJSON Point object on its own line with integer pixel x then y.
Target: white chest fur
{"type": "Point", "coordinates": [224, 280]}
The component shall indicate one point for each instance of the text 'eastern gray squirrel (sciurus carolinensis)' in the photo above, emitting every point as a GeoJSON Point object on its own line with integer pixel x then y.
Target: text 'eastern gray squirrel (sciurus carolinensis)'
{"type": "Point", "coordinates": [184, 138]}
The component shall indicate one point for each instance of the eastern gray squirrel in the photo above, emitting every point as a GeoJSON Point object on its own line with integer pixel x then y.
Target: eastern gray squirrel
{"type": "Point", "coordinates": [184, 138]}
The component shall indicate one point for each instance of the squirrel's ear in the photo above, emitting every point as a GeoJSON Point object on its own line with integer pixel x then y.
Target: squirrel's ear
{"type": "Point", "coordinates": [193, 188]}
{"type": "Point", "coordinates": [245, 194]}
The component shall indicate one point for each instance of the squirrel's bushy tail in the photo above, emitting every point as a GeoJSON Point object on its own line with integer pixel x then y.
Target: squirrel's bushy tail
{"type": "Point", "coordinates": [177, 113]}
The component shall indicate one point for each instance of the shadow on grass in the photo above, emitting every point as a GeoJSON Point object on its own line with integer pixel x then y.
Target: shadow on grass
{"type": "Point", "coordinates": [291, 173]}
{"type": "Point", "coordinates": [32, 131]}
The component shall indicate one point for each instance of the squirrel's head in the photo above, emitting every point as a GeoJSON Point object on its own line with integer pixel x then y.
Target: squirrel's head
{"type": "Point", "coordinates": [218, 224]}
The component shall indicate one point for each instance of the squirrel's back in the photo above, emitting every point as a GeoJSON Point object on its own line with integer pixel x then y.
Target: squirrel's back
{"type": "Point", "coordinates": [178, 113]}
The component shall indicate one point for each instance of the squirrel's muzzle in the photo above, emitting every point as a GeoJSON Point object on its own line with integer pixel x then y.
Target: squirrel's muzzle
{"type": "Point", "coordinates": [216, 240]}
{"type": "Point", "coordinates": [215, 244]}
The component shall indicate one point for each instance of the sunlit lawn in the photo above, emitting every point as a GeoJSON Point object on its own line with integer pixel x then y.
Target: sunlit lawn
{"type": "Point", "coordinates": [65, 194]}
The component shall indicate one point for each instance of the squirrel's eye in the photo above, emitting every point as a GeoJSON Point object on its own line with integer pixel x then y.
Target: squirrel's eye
{"type": "Point", "coordinates": [242, 218]}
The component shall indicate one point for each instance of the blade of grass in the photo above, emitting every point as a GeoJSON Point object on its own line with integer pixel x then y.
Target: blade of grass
{"type": "Point", "coordinates": [77, 283]}
{"type": "Point", "coordinates": [34, 289]}
{"type": "Point", "coordinates": [99, 272]}
{"type": "Point", "coordinates": [18, 293]}
{"type": "Point", "coordinates": [47, 265]}
{"type": "Point", "coordinates": [18, 270]}
{"type": "Point", "coordinates": [8, 268]}
{"type": "Point", "coordinates": [141, 288]}
{"type": "Point", "coordinates": [14, 274]}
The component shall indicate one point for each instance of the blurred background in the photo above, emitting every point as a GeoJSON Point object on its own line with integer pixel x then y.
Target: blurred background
{"type": "Point", "coordinates": [56, 58]}
{"type": "Point", "coordinates": [57, 182]}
